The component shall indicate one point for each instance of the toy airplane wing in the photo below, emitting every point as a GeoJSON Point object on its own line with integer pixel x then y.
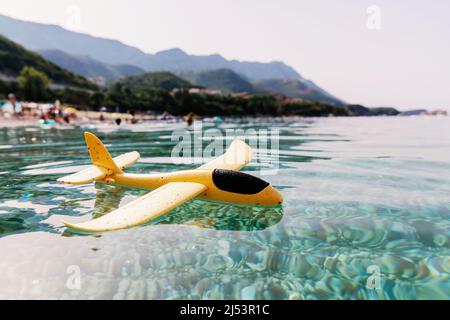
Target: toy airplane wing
{"type": "Point", "coordinates": [238, 155]}
{"type": "Point", "coordinates": [127, 159]}
{"type": "Point", "coordinates": [143, 209]}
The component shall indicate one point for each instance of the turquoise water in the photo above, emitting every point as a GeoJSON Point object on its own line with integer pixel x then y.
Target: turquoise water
{"type": "Point", "coordinates": [366, 216]}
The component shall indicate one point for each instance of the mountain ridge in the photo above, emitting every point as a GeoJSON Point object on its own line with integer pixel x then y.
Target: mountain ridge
{"type": "Point", "coordinates": [88, 67]}
{"type": "Point", "coordinates": [225, 80]}
{"type": "Point", "coordinates": [296, 89]}
{"type": "Point", "coordinates": [14, 57]}
{"type": "Point", "coordinates": [37, 36]}
{"type": "Point", "coordinates": [113, 53]}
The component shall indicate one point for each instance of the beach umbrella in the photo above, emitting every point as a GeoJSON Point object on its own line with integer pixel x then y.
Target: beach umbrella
{"type": "Point", "coordinates": [70, 110]}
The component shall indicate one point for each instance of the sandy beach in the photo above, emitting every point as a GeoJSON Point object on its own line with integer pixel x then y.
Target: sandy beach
{"type": "Point", "coordinates": [82, 116]}
{"type": "Point", "coordinates": [15, 122]}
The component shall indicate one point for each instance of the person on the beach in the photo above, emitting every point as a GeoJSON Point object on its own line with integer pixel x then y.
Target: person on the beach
{"type": "Point", "coordinates": [133, 118]}
{"type": "Point", "coordinates": [189, 119]}
{"type": "Point", "coordinates": [12, 107]}
{"type": "Point", "coordinates": [102, 116]}
{"type": "Point", "coordinates": [57, 111]}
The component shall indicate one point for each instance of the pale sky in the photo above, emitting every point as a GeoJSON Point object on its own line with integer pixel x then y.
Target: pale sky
{"type": "Point", "coordinates": [405, 63]}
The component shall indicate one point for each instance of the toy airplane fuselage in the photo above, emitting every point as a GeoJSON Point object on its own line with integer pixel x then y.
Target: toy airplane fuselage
{"type": "Point", "coordinates": [217, 180]}
{"type": "Point", "coordinates": [222, 185]}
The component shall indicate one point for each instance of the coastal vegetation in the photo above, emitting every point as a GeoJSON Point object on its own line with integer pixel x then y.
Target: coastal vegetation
{"type": "Point", "coordinates": [224, 92]}
{"type": "Point", "coordinates": [33, 86]}
{"type": "Point", "coordinates": [163, 80]}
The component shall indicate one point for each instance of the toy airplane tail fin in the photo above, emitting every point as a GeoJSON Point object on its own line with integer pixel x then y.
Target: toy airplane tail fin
{"type": "Point", "coordinates": [103, 164]}
{"type": "Point", "coordinates": [99, 154]}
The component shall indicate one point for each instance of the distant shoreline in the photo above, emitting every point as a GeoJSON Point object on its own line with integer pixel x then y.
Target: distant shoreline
{"type": "Point", "coordinates": [92, 117]}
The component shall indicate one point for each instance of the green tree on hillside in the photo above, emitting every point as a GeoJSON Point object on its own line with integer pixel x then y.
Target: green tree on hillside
{"type": "Point", "coordinates": [97, 100]}
{"type": "Point", "coordinates": [33, 84]}
{"type": "Point", "coordinates": [262, 104]}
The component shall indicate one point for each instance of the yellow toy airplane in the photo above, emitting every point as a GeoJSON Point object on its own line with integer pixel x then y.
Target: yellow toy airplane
{"type": "Point", "coordinates": [217, 180]}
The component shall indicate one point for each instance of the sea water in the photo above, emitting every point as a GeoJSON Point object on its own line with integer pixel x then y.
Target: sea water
{"type": "Point", "coordinates": [366, 216]}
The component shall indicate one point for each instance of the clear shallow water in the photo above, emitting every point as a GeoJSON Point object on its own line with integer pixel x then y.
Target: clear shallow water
{"type": "Point", "coordinates": [359, 193]}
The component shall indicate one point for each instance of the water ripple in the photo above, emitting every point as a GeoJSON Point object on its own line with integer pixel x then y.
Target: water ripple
{"type": "Point", "coordinates": [359, 194]}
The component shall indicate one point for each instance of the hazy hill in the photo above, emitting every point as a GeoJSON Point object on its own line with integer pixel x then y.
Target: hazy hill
{"type": "Point", "coordinates": [37, 36]}
{"type": "Point", "coordinates": [296, 89]}
{"type": "Point", "coordinates": [88, 67]}
{"type": "Point", "coordinates": [91, 51]}
{"type": "Point", "coordinates": [359, 110]}
{"type": "Point", "coordinates": [14, 57]}
{"type": "Point", "coordinates": [225, 80]}
{"type": "Point", "coordinates": [177, 60]}
{"type": "Point", "coordinates": [164, 80]}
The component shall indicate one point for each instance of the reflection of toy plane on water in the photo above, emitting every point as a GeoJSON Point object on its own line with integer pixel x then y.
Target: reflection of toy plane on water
{"type": "Point", "coordinates": [216, 180]}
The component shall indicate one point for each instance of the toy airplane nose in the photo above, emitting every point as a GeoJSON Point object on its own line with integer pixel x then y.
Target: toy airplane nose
{"type": "Point", "coordinates": [239, 183]}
